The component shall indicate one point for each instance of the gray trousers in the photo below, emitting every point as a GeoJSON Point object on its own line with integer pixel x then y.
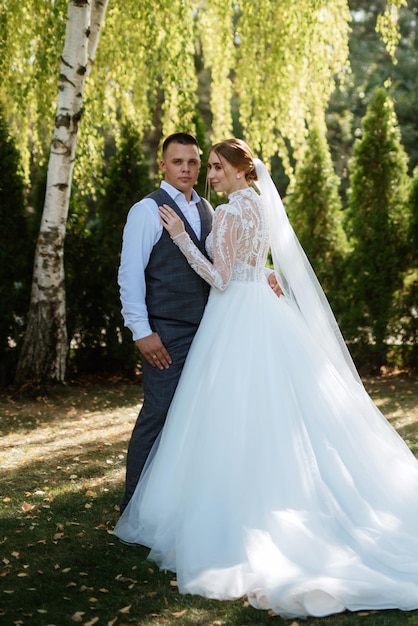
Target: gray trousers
{"type": "Point", "coordinates": [159, 387]}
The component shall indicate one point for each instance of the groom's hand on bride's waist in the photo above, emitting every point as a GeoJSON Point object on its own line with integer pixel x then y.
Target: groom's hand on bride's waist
{"type": "Point", "coordinates": [274, 284]}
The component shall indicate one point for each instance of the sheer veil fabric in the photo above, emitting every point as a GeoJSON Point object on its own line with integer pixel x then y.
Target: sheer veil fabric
{"type": "Point", "coordinates": [297, 278]}
{"type": "Point", "coordinates": [275, 476]}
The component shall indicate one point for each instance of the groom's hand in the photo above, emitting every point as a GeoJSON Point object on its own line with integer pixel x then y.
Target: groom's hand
{"type": "Point", "coordinates": [274, 284]}
{"type": "Point", "coordinates": [154, 351]}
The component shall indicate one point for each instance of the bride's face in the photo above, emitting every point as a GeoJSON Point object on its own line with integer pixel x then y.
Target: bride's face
{"type": "Point", "coordinates": [224, 177]}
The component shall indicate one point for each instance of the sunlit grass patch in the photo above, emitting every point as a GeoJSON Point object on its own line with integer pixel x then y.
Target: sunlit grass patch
{"type": "Point", "coordinates": [62, 464]}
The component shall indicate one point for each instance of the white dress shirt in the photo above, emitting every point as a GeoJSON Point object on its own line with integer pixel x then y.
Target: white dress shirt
{"type": "Point", "coordinates": [142, 230]}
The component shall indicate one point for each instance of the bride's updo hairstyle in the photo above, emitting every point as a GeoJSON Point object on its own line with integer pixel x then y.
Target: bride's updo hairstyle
{"type": "Point", "coordinates": [239, 155]}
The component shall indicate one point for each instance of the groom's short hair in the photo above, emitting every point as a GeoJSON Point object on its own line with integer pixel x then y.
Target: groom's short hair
{"type": "Point", "coordinates": [183, 138]}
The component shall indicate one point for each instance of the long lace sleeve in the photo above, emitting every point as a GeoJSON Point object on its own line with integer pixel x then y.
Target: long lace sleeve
{"type": "Point", "coordinates": [218, 273]}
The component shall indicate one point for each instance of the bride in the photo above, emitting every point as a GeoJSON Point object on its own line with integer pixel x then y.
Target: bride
{"type": "Point", "coordinates": [275, 475]}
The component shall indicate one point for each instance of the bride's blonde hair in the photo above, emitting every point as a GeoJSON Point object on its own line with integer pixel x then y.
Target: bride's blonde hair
{"type": "Point", "coordinates": [238, 154]}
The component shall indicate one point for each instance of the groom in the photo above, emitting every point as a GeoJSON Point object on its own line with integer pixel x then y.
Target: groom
{"type": "Point", "coordinates": [163, 299]}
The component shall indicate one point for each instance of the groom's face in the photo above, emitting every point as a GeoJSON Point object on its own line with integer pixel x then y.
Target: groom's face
{"type": "Point", "coordinates": [181, 166]}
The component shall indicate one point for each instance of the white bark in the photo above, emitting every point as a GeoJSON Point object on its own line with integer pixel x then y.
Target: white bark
{"type": "Point", "coordinates": [44, 351]}
{"type": "Point", "coordinates": [98, 13]}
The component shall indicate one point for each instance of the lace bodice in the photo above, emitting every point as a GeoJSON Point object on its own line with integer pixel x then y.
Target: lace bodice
{"type": "Point", "coordinates": [237, 244]}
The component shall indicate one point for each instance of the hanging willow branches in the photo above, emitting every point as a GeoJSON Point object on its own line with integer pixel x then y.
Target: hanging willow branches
{"type": "Point", "coordinates": [276, 60]}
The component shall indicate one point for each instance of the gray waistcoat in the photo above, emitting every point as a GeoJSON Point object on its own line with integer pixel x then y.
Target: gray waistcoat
{"type": "Point", "coordinates": [174, 290]}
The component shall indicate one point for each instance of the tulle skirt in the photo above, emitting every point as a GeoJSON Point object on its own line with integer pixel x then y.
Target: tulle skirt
{"type": "Point", "coordinates": [275, 476]}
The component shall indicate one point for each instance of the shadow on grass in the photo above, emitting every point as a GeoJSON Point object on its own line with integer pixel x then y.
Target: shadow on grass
{"type": "Point", "coordinates": [61, 564]}
{"type": "Point", "coordinates": [61, 560]}
{"type": "Point", "coordinates": [67, 401]}
{"type": "Point", "coordinates": [61, 480]}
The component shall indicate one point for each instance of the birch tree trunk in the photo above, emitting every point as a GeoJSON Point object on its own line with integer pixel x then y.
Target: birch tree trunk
{"type": "Point", "coordinates": [44, 351]}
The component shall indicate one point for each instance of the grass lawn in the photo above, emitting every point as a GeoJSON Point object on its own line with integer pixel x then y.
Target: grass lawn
{"type": "Point", "coordinates": [62, 461]}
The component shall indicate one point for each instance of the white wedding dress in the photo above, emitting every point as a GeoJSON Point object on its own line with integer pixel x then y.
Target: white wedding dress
{"type": "Point", "coordinates": [275, 475]}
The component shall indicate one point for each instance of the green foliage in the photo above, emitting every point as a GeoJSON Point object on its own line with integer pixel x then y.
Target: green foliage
{"type": "Point", "coordinates": [315, 212]}
{"type": "Point", "coordinates": [280, 63]}
{"type": "Point", "coordinates": [274, 67]}
{"type": "Point", "coordinates": [98, 338]}
{"type": "Point", "coordinates": [215, 27]}
{"type": "Point", "coordinates": [15, 254]}
{"type": "Point", "coordinates": [405, 325]}
{"type": "Point", "coordinates": [387, 25]}
{"type": "Point", "coordinates": [315, 206]}
{"type": "Point", "coordinates": [287, 62]}
{"type": "Point", "coordinates": [377, 223]}
{"type": "Point", "coordinates": [30, 53]}
{"type": "Point", "coordinates": [413, 230]}
{"type": "Point", "coordinates": [372, 67]}
{"type": "Point", "coordinates": [404, 78]}
{"type": "Point", "coordinates": [137, 77]}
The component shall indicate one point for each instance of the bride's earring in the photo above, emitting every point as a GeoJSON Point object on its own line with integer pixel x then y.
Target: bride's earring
{"type": "Point", "coordinates": [238, 176]}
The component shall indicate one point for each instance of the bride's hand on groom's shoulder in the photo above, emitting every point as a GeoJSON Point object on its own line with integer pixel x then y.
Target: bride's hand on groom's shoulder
{"type": "Point", "coordinates": [170, 220]}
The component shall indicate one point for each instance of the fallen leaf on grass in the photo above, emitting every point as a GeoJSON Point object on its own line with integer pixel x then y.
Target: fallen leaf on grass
{"type": "Point", "coordinates": [112, 621]}
{"type": "Point", "coordinates": [123, 579]}
{"type": "Point", "coordinates": [179, 613]}
{"type": "Point", "coordinates": [26, 507]}
{"type": "Point", "coordinates": [125, 609]}
{"type": "Point", "coordinates": [59, 536]}
{"type": "Point", "coordinates": [92, 621]}
{"type": "Point", "coordinates": [78, 616]}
